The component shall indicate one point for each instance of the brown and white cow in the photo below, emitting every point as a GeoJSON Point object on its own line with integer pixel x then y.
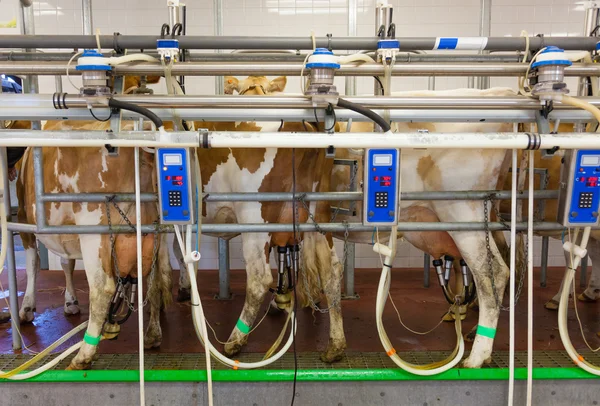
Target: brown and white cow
{"type": "Point", "coordinates": [93, 170]}
{"type": "Point", "coordinates": [270, 170]}
{"type": "Point", "coordinates": [454, 170]}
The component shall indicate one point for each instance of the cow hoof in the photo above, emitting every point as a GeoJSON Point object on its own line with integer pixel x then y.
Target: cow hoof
{"type": "Point", "coordinates": [183, 295]}
{"type": "Point", "coordinates": [79, 366]}
{"type": "Point", "coordinates": [470, 364]}
{"type": "Point", "coordinates": [71, 308]}
{"type": "Point", "coordinates": [335, 351]}
{"type": "Point", "coordinates": [488, 361]}
{"type": "Point", "coordinates": [152, 342]}
{"type": "Point", "coordinates": [26, 314]}
{"type": "Point", "coordinates": [551, 304]}
{"type": "Point", "coordinates": [470, 336]}
{"type": "Point", "coordinates": [4, 317]}
{"type": "Point", "coordinates": [111, 331]}
{"type": "Point", "coordinates": [583, 297]}
{"type": "Point", "coordinates": [232, 350]}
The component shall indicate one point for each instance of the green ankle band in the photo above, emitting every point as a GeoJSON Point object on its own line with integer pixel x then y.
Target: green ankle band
{"type": "Point", "coordinates": [486, 331]}
{"type": "Point", "coordinates": [88, 339]}
{"type": "Point", "coordinates": [243, 327]}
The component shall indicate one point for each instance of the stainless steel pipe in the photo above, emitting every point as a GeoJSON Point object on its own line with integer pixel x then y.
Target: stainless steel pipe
{"type": "Point", "coordinates": [281, 228]}
{"type": "Point", "coordinates": [294, 69]}
{"type": "Point", "coordinates": [286, 102]}
{"type": "Point", "coordinates": [310, 196]}
{"type": "Point", "coordinates": [282, 43]}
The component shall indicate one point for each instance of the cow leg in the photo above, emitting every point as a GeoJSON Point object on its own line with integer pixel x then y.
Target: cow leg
{"type": "Point", "coordinates": [185, 286]}
{"type": "Point", "coordinates": [102, 288]}
{"type": "Point", "coordinates": [472, 246]}
{"type": "Point", "coordinates": [258, 278]}
{"type": "Point", "coordinates": [159, 293]}
{"type": "Point", "coordinates": [330, 273]}
{"type": "Point", "coordinates": [26, 313]}
{"type": "Point", "coordinates": [71, 302]}
{"type": "Point", "coordinates": [592, 292]}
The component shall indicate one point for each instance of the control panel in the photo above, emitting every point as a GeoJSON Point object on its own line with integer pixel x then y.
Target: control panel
{"type": "Point", "coordinates": [174, 186]}
{"type": "Point", "coordinates": [579, 198]}
{"type": "Point", "coordinates": [381, 180]}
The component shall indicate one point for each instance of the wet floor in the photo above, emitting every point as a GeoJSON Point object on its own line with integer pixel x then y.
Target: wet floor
{"type": "Point", "coordinates": [420, 308]}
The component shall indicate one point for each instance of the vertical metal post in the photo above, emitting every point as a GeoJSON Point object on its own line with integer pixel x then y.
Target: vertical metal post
{"type": "Point", "coordinates": [58, 83]}
{"type": "Point", "coordinates": [352, 13]}
{"type": "Point", "coordinates": [426, 269]}
{"type": "Point", "coordinates": [38, 179]}
{"type": "Point", "coordinates": [10, 257]}
{"type": "Point", "coordinates": [583, 274]}
{"type": "Point", "coordinates": [485, 24]}
{"type": "Point", "coordinates": [224, 291]}
{"type": "Point", "coordinates": [544, 264]}
{"type": "Point", "coordinates": [173, 12]}
{"type": "Point", "coordinates": [86, 17]}
{"type": "Point", "coordinates": [349, 265]}
{"type": "Point", "coordinates": [218, 21]}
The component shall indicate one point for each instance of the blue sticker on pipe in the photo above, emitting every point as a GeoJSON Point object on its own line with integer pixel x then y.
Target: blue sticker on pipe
{"type": "Point", "coordinates": [446, 43]}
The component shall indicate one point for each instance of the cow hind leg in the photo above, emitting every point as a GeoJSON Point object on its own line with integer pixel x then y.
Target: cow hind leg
{"type": "Point", "coordinates": [552, 304]}
{"type": "Point", "coordinates": [185, 286]}
{"type": "Point", "coordinates": [27, 311]}
{"type": "Point", "coordinates": [71, 302]}
{"type": "Point", "coordinates": [102, 288]}
{"type": "Point", "coordinates": [330, 272]}
{"type": "Point", "coordinates": [159, 294]}
{"type": "Point", "coordinates": [474, 251]}
{"type": "Point", "coordinates": [592, 292]}
{"type": "Point", "coordinates": [258, 279]}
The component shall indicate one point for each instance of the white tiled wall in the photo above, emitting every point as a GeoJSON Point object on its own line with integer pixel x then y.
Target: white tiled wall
{"type": "Point", "coordinates": [298, 17]}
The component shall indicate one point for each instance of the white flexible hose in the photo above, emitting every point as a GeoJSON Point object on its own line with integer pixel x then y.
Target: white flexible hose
{"type": "Point", "coordinates": [140, 271]}
{"type": "Point", "coordinates": [382, 295]}
{"type": "Point", "coordinates": [577, 252]}
{"type": "Point", "coordinates": [117, 60]}
{"type": "Point", "coordinates": [343, 60]}
{"type": "Point", "coordinates": [511, 278]}
{"type": "Point", "coordinates": [530, 281]}
{"type": "Point", "coordinates": [198, 311]}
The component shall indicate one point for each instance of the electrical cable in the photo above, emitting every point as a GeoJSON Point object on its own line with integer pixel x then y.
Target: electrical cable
{"type": "Point", "coordinates": [119, 104]}
{"type": "Point", "coordinates": [380, 121]}
{"type": "Point", "coordinates": [295, 226]}
{"type": "Point", "coordinates": [98, 119]}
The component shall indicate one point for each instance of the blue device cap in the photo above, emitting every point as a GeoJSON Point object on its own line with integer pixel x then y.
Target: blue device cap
{"type": "Point", "coordinates": [388, 43]}
{"type": "Point", "coordinates": [322, 51]}
{"type": "Point", "coordinates": [561, 58]}
{"type": "Point", "coordinates": [167, 43]}
{"type": "Point", "coordinates": [92, 53]}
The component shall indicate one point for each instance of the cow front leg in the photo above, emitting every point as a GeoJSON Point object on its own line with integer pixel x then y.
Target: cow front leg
{"type": "Point", "coordinates": [258, 278]}
{"type": "Point", "coordinates": [27, 311]}
{"type": "Point", "coordinates": [102, 288]}
{"type": "Point", "coordinates": [185, 286]}
{"type": "Point", "coordinates": [71, 302]}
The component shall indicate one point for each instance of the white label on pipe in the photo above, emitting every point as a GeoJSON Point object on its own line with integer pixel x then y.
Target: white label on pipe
{"type": "Point", "coordinates": [465, 43]}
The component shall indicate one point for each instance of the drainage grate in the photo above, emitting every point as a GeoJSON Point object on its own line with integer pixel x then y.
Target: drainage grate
{"type": "Point", "coordinates": [306, 360]}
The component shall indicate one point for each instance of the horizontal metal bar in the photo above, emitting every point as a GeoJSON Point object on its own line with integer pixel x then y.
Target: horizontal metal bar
{"type": "Point", "coordinates": [402, 57]}
{"type": "Point", "coordinates": [294, 102]}
{"type": "Point", "coordinates": [284, 228]}
{"type": "Point", "coordinates": [298, 115]}
{"type": "Point", "coordinates": [294, 69]}
{"type": "Point", "coordinates": [248, 139]}
{"type": "Point", "coordinates": [310, 196]}
{"type": "Point", "coordinates": [304, 43]}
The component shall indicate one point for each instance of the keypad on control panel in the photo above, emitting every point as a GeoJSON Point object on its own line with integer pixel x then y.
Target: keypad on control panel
{"type": "Point", "coordinates": [381, 200]}
{"type": "Point", "coordinates": [174, 198]}
{"type": "Point", "coordinates": [585, 200]}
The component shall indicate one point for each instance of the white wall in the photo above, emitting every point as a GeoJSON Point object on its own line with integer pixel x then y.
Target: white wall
{"type": "Point", "coordinates": [297, 18]}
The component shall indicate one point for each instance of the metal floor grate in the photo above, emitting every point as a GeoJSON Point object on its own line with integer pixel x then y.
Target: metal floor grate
{"type": "Point", "coordinates": [306, 360]}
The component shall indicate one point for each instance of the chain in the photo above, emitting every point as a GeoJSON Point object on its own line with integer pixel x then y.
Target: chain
{"type": "Point", "coordinates": [336, 302]}
{"type": "Point", "coordinates": [111, 199]}
{"type": "Point", "coordinates": [490, 198]}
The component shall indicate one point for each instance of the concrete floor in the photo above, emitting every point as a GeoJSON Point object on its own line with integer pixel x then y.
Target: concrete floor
{"type": "Point", "coordinates": [420, 308]}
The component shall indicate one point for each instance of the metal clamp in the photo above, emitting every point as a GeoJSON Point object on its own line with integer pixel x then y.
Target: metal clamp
{"type": "Point", "coordinates": [204, 139]}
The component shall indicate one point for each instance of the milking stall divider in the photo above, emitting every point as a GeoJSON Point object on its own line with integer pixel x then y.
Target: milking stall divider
{"type": "Point", "coordinates": [265, 386]}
